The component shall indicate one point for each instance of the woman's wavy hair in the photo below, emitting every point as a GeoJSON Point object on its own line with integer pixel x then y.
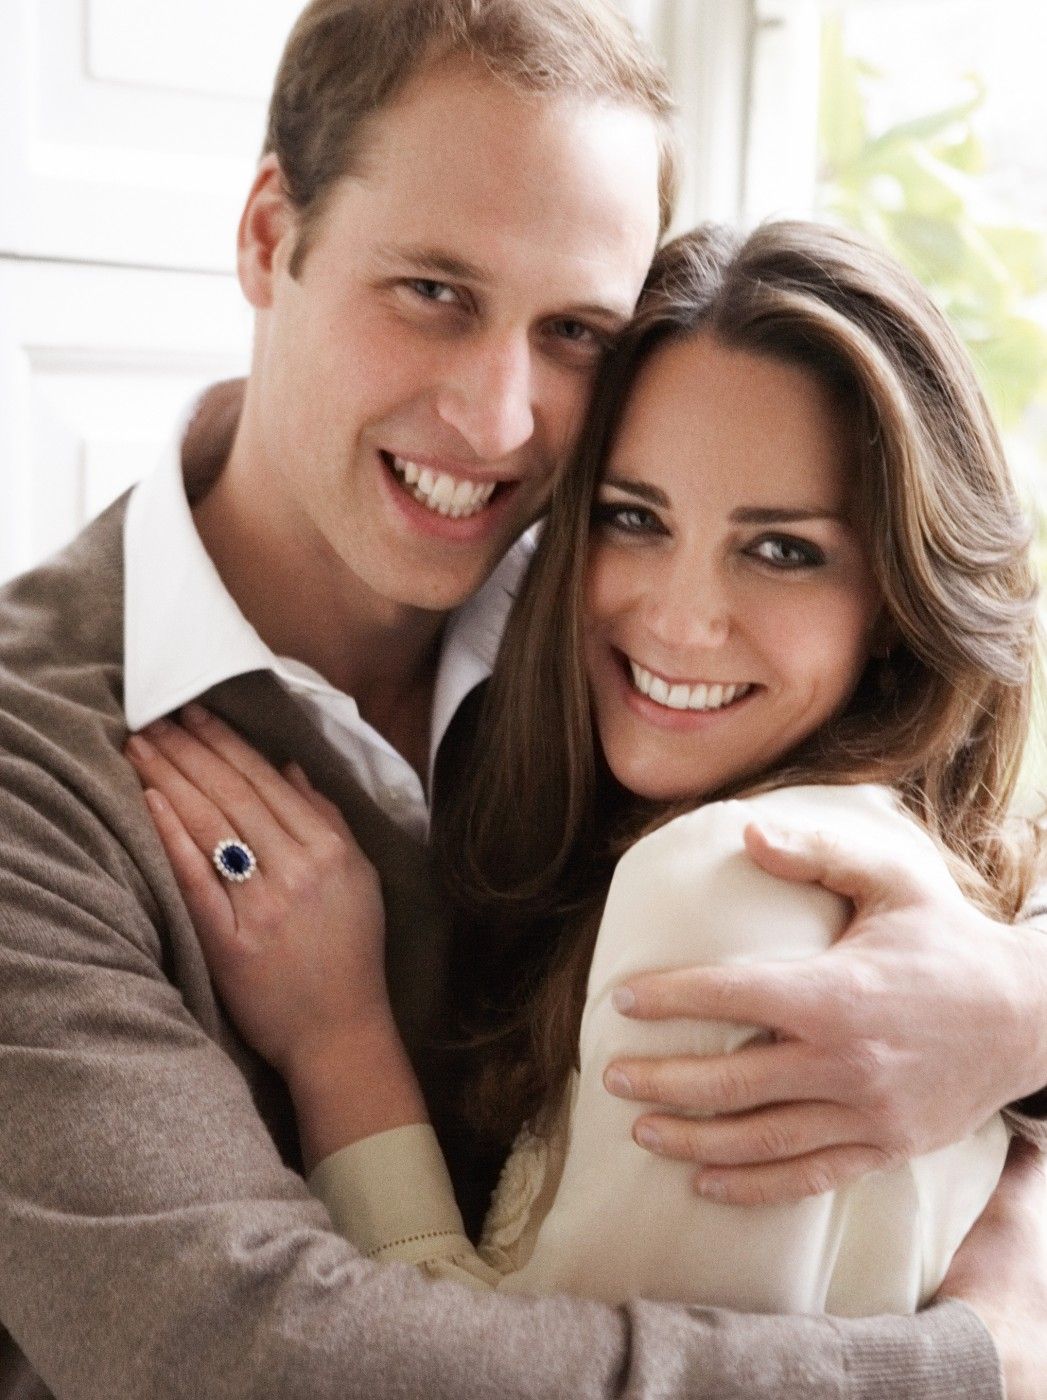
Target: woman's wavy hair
{"type": "Point", "coordinates": [530, 837]}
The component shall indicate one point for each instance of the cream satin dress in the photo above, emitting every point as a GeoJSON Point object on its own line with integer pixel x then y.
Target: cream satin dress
{"type": "Point", "coordinates": [587, 1211]}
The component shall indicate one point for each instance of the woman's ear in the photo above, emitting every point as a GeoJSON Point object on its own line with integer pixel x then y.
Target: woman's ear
{"type": "Point", "coordinates": [267, 226]}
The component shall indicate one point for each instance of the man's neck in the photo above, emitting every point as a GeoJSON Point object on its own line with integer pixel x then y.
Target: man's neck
{"type": "Point", "coordinates": [311, 608]}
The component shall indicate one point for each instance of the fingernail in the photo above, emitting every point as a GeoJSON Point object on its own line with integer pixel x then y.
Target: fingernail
{"type": "Point", "coordinates": [711, 1187]}
{"type": "Point", "coordinates": [195, 714]}
{"type": "Point", "coordinates": [648, 1137]}
{"type": "Point", "coordinates": [623, 999]}
{"type": "Point", "coordinates": [155, 800]}
{"type": "Point", "coordinates": [776, 835]}
{"type": "Point", "coordinates": [618, 1083]}
{"type": "Point", "coordinates": [137, 747]}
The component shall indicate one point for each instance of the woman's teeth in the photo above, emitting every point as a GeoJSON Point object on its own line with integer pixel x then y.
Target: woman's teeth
{"type": "Point", "coordinates": [685, 697]}
{"type": "Point", "coordinates": [444, 494]}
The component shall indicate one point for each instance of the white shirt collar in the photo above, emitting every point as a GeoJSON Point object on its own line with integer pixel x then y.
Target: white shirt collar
{"type": "Point", "coordinates": [184, 633]}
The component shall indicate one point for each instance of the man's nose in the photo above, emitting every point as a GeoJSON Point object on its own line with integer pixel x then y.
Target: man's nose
{"type": "Point", "coordinates": [488, 397]}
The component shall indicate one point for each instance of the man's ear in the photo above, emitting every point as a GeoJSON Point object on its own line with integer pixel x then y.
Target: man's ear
{"type": "Point", "coordinates": [265, 237]}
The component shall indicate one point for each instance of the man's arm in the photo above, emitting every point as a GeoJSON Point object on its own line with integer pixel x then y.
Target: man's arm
{"type": "Point", "coordinates": [152, 1244]}
{"type": "Point", "coordinates": [921, 1022]}
{"type": "Point", "coordinates": [1000, 1272]}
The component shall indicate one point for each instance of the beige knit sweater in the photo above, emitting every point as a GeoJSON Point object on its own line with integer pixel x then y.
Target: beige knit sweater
{"type": "Point", "coordinates": [155, 1241]}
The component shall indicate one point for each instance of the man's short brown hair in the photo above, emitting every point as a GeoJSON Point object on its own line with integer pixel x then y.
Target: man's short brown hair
{"type": "Point", "coordinates": [347, 59]}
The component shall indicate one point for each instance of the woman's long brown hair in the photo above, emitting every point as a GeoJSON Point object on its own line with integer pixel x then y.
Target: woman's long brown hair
{"type": "Point", "coordinates": [528, 841]}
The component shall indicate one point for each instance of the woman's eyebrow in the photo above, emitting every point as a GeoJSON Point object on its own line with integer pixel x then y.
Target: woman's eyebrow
{"type": "Point", "coordinates": [774, 515]}
{"type": "Point", "coordinates": [640, 489]}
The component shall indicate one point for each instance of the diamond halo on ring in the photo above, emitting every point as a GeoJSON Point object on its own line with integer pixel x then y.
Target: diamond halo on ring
{"type": "Point", "coordinates": [234, 860]}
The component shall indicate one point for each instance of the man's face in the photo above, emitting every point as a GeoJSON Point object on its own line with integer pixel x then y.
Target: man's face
{"type": "Point", "coordinates": [419, 382]}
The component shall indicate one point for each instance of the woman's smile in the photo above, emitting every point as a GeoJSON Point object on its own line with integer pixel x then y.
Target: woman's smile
{"type": "Point", "coordinates": [730, 604]}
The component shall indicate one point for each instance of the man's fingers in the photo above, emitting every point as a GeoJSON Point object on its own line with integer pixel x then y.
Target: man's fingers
{"type": "Point", "coordinates": [750, 1078]}
{"type": "Point", "coordinates": [771, 1135]}
{"type": "Point", "coordinates": [779, 1183]}
{"type": "Point", "coordinates": [860, 875]}
{"type": "Point", "coordinates": [768, 994]}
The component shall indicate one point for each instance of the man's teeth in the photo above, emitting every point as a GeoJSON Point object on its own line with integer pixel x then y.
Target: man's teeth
{"type": "Point", "coordinates": [447, 495]}
{"type": "Point", "coordinates": [685, 697]}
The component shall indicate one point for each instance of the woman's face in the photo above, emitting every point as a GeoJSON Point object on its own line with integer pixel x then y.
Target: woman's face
{"type": "Point", "coordinates": [729, 600]}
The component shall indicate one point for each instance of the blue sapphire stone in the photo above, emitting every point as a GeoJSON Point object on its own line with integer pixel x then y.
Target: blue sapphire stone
{"type": "Point", "coordinates": [236, 860]}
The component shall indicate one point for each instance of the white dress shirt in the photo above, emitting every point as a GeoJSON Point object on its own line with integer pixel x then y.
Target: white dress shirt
{"type": "Point", "coordinates": [184, 633]}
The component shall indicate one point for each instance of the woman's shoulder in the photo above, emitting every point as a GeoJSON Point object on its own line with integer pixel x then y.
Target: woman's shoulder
{"type": "Point", "coordinates": [688, 892]}
{"type": "Point", "coordinates": [865, 813]}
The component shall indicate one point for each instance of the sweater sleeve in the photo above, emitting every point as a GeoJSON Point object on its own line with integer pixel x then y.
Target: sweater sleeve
{"type": "Point", "coordinates": [153, 1245]}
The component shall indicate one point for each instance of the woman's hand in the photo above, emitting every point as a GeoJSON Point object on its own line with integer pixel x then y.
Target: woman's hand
{"type": "Point", "coordinates": [1001, 1272]}
{"type": "Point", "coordinates": [297, 950]}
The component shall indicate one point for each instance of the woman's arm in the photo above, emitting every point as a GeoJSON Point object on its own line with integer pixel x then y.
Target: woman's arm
{"type": "Point", "coordinates": [297, 950]}
{"type": "Point", "coordinates": [296, 953]}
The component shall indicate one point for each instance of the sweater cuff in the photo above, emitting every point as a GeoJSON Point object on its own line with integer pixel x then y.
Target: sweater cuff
{"type": "Point", "coordinates": [391, 1194]}
{"type": "Point", "coordinates": [949, 1355]}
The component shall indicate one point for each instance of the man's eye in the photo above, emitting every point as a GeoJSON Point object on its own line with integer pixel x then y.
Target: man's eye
{"type": "Point", "coordinates": [430, 290]}
{"type": "Point", "coordinates": [785, 552]}
{"type": "Point", "coordinates": [578, 334]}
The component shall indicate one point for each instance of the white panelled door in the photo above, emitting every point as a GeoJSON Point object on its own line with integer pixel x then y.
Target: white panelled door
{"type": "Point", "coordinates": [96, 366]}
{"type": "Point", "coordinates": [129, 132]}
{"type": "Point", "coordinates": [129, 128]}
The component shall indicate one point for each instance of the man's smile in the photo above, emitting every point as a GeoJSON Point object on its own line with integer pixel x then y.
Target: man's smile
{"type": "Point", "coordinates": [440, 491]}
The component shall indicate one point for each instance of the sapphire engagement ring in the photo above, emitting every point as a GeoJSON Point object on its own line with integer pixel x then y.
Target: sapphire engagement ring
{"type": "Point", "coordinates": [234, 860]}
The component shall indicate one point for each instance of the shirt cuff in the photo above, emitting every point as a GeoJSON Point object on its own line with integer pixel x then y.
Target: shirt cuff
{"type": "Point", "coordinates": [390, 1194]}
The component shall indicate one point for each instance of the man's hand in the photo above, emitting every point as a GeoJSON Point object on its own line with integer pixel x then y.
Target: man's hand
{"type": "Point", "coordinates": [1001, 1272]}
{"type": "Point", "coordinates": [924, 1019]}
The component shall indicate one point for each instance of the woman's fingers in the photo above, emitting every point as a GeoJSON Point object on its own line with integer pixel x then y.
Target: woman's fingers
{"type": "Point", "coordinates": [324, 808]}
{"type": "Point", "coordinates": [212, 799]}
{"type": "Point", "coordinates": [284, 800]}
{"type": "Point", "coordinates": [205, 896]}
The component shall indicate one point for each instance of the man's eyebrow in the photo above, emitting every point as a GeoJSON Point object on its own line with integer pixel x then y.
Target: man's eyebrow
{"type": "Point", "coordinates": [446, 267]}
{"type": "Point", "coordinates": [441, 265]}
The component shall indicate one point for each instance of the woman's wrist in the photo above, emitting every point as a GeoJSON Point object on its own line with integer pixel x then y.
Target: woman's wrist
{"type": "Point", "coordinates": [351, 1087]}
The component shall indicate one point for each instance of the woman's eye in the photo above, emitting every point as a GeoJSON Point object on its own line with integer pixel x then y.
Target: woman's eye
{"type": "Point", "coordinates": [626, 520]}
{"type": "Point", "coordinates": [784, 552]}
